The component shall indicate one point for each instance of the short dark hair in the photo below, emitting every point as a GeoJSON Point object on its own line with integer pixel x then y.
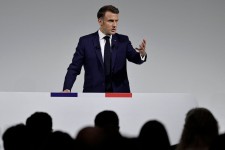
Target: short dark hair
{"type": "Point", "coordinates": [104, 9]}
{"type": "Point", "coordinates": [39, 122]}
{"type": "Point", "coordinates": [106, 119]}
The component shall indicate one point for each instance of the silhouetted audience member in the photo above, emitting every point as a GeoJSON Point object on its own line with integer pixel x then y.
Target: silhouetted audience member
{"type": "Point", "coordinates": [90, 138]}
{"type": "Point", "coordinates": [39, 125]}
{"type": "Point", "coordinates": [153, 136]}
{"type": "Point", "coordinates": [219, 143]}
{"type": "Point", "coordinates": [59, 140]}
{"type": "Point", "coordinates": [16, 138]}
{"type": "Point", "coordinates": [200, 130]}
{"type": "Point", "coordinates": [108, 120]}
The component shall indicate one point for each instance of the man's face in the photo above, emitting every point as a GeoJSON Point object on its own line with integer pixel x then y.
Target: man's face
{"type": "Point", "coordinates": [108, 24]}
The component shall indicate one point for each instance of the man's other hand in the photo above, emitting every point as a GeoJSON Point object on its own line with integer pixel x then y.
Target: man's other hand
{"type": "Point", "coordinates": [141, 48]}
{"type": "Point", "coordinates": [66, 91]}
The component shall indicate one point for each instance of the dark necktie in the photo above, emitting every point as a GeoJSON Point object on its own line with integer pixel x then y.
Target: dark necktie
{"type": "Point", "coordinates": [107, 65]}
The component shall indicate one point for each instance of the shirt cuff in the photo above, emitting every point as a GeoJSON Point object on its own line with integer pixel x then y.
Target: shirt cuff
{"type": "Point", "coordinates": [142, 57]}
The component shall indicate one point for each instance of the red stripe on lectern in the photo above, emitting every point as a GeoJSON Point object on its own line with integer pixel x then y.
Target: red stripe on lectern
{"type": "Point", "coordinates": [118, 95]}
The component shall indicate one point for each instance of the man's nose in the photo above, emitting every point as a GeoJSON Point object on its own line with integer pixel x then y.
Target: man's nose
{"type": "Point", "coordinates": [114, 23]}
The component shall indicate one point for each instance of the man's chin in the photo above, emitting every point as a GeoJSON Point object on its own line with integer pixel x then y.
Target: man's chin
{"type": "Point", "coordinates": [114, 32]}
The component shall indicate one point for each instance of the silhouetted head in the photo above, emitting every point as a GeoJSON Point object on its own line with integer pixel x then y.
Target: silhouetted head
{"type": "Point", "coordinates": [154, 135]}
{"type": "Point", "coordinates": [200, 129]}
{"type": "Point", "coordinates": [39, 125]}
{"type": "Point", "coordinates": [90, 138]}
{"type": "Point", "coordinates": [107, 119]}
{"type": "Point", "coordinates": [39, 122]}
{"type": "Point", "coordinates": [16, 138]}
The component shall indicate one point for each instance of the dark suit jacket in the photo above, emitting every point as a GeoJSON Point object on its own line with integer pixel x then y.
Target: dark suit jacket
{"type": "Point", "coordinates": [88, 54]}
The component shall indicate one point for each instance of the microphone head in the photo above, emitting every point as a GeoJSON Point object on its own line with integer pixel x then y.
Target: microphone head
{"type": "Point", "coordinates": [97, 46]}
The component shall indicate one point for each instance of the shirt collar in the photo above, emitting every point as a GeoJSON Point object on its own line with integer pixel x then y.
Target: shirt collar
{"type": "Point", "coordinates": [102, 35]}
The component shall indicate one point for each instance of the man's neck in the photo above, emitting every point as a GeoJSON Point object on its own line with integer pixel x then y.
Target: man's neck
{"type": "Point", "coordinates": [101, 34]}
{"type": "Point", "coordinates": [101, 30]}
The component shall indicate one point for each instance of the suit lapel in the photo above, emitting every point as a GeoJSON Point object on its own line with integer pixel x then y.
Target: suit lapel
{"type": "Point", "coordinates": [97, 47]}
{"type": "Point", "coordinates": [114, 46]}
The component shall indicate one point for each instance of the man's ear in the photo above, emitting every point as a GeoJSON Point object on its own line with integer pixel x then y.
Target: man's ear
{"type": "Point", "coordinates": [100, 21]}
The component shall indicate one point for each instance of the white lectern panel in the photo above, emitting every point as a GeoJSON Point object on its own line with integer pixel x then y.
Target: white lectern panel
{"type": "Point", "coordinates": [70, 114]}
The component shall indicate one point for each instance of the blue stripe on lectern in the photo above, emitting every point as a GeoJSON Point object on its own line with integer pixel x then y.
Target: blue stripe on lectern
{"type": "Point", "coordinates": [55, 94]}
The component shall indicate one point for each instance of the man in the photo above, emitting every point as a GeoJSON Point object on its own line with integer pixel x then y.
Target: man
{"type": "Point", "coordinates": [103, 55]}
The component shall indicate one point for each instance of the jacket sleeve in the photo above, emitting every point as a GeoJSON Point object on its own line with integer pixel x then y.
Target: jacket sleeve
{"type": "Point", "coordinates": [74, 68]}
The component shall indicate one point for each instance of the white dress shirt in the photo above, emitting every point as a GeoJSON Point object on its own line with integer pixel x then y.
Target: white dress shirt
{"type": "Point", "coordinates": [103, 41]}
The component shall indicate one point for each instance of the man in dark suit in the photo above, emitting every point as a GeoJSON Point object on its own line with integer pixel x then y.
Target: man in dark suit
{"type": "Point", "coordinates": [104, 55]}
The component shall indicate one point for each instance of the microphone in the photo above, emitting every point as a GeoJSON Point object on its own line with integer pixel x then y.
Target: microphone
{"type": "Point", "coordinates": [114, 46]}
{"type": "Point", "coordinates": [97, 47]}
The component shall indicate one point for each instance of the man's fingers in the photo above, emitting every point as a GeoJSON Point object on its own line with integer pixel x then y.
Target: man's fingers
{"type": "Point", "coordinates": [142, 46]}
{"type": "Point", "coordinates": [144, 41]}
{"type": "Point", "coordinates": [66, 91]}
